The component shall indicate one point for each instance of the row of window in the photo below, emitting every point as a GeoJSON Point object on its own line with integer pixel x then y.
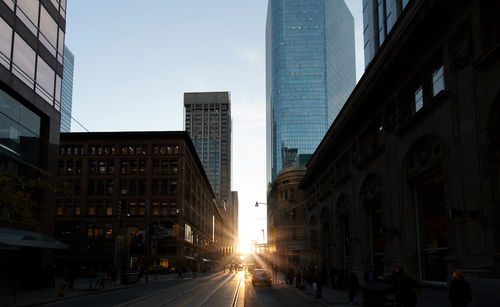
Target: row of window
{"type": "Point", "coordinates": [127, 167]}
{"type": "Point", "coordinates": [131, 149]}
{"type": "Point", "coordinates": [131, 208]}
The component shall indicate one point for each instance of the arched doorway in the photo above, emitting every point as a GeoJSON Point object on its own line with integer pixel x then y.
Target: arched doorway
{"type": "Point", "coordinates": [426, 175]}
{"type": "Point", "coordinates": [371, 198]}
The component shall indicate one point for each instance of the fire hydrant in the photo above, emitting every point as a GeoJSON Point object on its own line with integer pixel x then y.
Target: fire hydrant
{"type": "Point", "coordinates": [62, 286]}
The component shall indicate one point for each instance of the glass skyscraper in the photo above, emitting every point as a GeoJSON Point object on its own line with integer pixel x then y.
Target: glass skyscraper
{"type": "Point", "coordinates": [310, 73]}
{"type": "Point", "coordinates": [208, 122]}
{"type": "Point", "coordinates": [67, 90]}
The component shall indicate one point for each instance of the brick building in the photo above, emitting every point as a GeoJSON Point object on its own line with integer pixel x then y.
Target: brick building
{"type": "Point", "coordinates": [116, 183]}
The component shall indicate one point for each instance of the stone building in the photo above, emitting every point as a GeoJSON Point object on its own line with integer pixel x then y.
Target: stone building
{"type": "Point", "coordinates": [286, 219]}
{"type": "Point", "coordinates": [408, 174]}
{"type": "Point", "coordinates": [116, 183]}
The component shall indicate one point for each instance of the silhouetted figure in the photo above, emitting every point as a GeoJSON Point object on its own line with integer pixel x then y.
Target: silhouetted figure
{"type": "Point", "coordinates": [298, 278]}
{"type": "Point", "coordinates": [352, 284]}
{"type": "Point", "coordinates": [333, 275]}
{"type": "Point", "coordinates": [340, 278]}
{"type": "Point", "coordinates": [193, 270]}
{"type": "Point", "coordinates": [369, 275]}
{"type": "Point", "coordinates": [406, 287]}
{"type": "Point", "coordinates": [317, 279]}
{"type": "Point", "coordinates": [459, 293]}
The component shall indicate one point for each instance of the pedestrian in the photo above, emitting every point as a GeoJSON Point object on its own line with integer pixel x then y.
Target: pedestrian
{"type": "Point", "coordinates": [317, 282]}
{"type": "Point", "coordinates": [369, 275]}
{"type": "Point", "coordinates": [352, 284]}
{"type": "Point", "coordinates": [298, 278]}
{"type": "Point", "coordinates": [290, 275]}
{"type": "Point", "coordinates": [275, 273]}
{"type": "Point", "coordinates": [459, 293]}
{"type": "Point", "coordinates": [333, 275]}
{"type": "Point", "coordinates": [340, 278]}
{"type": "Point", "coordinates": [193, 270]}
{"type": "Point", "coordinates": [180, 271]}
{"type": "Point", "coordinates": [406, 288]}
{"type": "Point", "coordinates": [114, 274]}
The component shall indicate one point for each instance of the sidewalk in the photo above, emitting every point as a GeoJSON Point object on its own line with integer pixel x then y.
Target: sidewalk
{"type": "Point", "coordinates": [331, 297]}
{"type": "Point", "coordinates": [81, 288]}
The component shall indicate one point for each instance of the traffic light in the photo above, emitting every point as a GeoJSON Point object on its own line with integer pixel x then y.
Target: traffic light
{"type": "Point", "coordinates": [175, 230]}
{"type": "Point", "coordinates": [119, 210]}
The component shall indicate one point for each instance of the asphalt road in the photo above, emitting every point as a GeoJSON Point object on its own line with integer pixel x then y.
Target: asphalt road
{"type": "Point", "coordinates": [215, 290]}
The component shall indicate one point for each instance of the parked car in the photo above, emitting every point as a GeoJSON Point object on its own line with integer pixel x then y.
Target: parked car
{"type": "Point", "coordinates": [261, 276]}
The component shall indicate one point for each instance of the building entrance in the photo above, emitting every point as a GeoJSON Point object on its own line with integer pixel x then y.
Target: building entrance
{"type": "Point", "coordinates": [432, 221]}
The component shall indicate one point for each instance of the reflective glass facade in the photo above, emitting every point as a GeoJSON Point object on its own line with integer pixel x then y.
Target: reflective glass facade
{"type": "Point", "coordinates": [208, 122]}
{"type": "Point", "coordinates": [67, 90]}
{"type": "Point", "coordinates": [379, 16]}
{"type": "Point", "coordinates": [310, 73]}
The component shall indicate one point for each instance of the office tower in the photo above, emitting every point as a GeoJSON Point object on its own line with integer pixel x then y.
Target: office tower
{"type": "Point", "coordinates": [208, 122]}
{"type": "Point", "coordinates": [310, 73]}
{"type": "Point", "coordinates": [67, 90]}
{"type": "Point", "coordinates": [379, 16]}
{"type": "Point", "coordinates": [233, 213]}
{"type": "Point", "coordinates": [31, 69]}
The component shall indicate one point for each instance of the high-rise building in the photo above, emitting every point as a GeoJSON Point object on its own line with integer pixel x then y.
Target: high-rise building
{"type": "Point", "coordinates": [67, 90]}
{"type": "Point", "coordinates": [310, 73]}
{"type": "Point", "coordinates": [379, 16]}
{"type": "Point", "coordinates": [31, 69]}
{"type": "Point", "coordinates": [208, 122]}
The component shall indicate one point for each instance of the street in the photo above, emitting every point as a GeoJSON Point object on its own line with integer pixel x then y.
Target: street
{"type": "Point", "coordinates": [218, 289]}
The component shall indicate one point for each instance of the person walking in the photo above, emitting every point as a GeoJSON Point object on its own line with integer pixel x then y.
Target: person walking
{"type": "Point", "coordinates": [460, 293]}
{"type": "Point", "coordinates": [407, 288]}
{"type": "Point", "coordinates": [193, 270]}
{"type": "Point", "coordinates": [369, 275]}
{"type": "Point", "coordinates": [352, 284]}
{"type": "Point", "coordinates": [317, 279]}
{"type": "Point", "coordinates": [298, 278]}
{"type": "Point", "coordinates": [333, 275]}
{"type": "Point", "coordinates": [340, 278]}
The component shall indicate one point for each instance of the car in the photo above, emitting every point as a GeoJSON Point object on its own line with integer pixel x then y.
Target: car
{"type": "Point", "coordinates": [261, 276]}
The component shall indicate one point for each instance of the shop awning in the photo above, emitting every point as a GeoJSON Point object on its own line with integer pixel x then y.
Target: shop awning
{"type": "Point", "coordinates": [20, 238]}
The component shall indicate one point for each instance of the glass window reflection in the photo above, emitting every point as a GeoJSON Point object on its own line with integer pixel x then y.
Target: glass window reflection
{"type": "Point", "coordinates": [48, 29]}
{"type": "Point", "coordinates": [5, 43]}
{"type": "Point", "coordinates": [45, 80]}
{"type": "Point", "coordinates": [27, 11]}
{"type": "Point", "coordinates": [24, 61]}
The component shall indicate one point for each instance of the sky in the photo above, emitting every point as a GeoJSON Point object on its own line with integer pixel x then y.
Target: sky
{"type": "Point", "coordinates": [135, 59]}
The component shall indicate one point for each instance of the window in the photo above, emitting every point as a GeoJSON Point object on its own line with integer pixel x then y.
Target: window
{"type": "Point", "coordinates": [109, 211]}
{"type": "Point", "coordinates": [48, 31]}
{"type": "Point", "coordinates": [24, 61]}
{"type": "Point", "coordinates": [418, 99]}
{"type": "Point", "coordinates": [437, 81]}
{"type": "Point", "coordinates": [91, 210]}
{"type": "Point", "coordinates": [59, 211]}
{"type": "Point", "coordinates": [5, 43]}
{"type": "Point", "coordinates": [27, 11]}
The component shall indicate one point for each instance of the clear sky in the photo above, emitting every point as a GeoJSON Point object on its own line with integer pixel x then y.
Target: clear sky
{"type": "Point", "coordinates": [135, 59]}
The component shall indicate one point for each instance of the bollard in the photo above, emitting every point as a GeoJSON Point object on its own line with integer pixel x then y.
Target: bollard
{"type": "Point", "coordinates": [62, 286]}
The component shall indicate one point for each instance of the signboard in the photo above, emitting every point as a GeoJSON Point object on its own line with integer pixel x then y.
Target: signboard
{"type": "Point", "coordinates": [188, 234]}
